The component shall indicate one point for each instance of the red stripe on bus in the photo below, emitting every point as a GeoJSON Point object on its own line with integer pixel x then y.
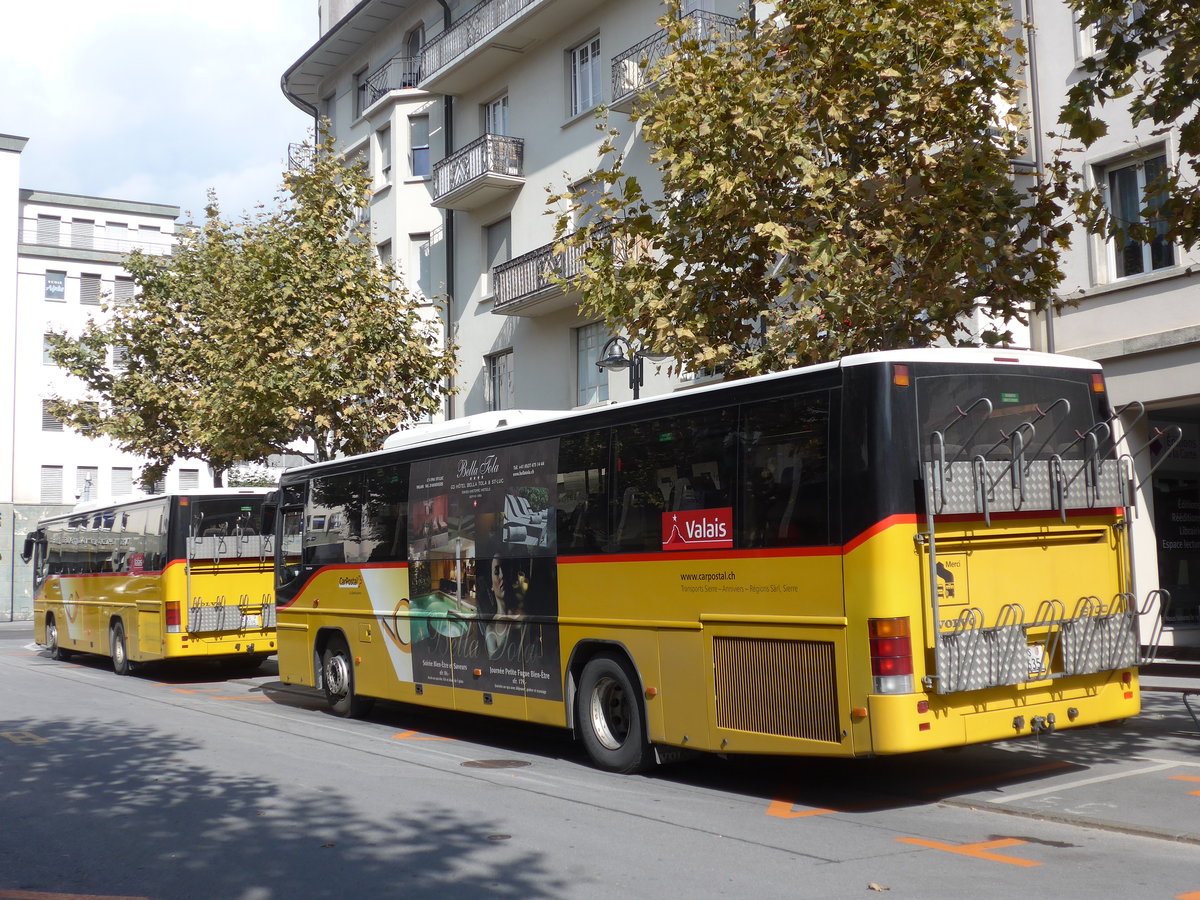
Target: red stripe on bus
{"type": "Point", "coordinates": [682, 556]}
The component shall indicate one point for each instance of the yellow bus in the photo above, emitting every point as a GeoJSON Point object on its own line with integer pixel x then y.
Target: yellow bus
{"type": "Point", "coordinates": [161, 577]}
{"type": "Point", "coordinates": [894, 552]}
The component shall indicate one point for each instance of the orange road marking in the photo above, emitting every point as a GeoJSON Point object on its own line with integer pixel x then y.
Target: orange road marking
{"type": "Point", "coordinates": [1001, 776]}
{"type": "Point", "coordinates": [1194, 794]}
{"type": "Point", "coordinates": [41, 895]}
{"type": "Point", "coordinates": [207, 690]}
{"type": "Point", "coordinates": [979, 851]}
{"type": "Point", "coordinates": [786, 809]}
{"type": "Point", "coordinates": [417, 736]}
{"type": "Point", "coordinates": [1194, 895]}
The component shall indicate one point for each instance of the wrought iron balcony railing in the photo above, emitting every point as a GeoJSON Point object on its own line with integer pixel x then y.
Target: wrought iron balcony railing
{"type": "Point", "coordinates": [455, 41]}
{"type": "Point", "coordinates": [300, 157]}
{"type": "Point", "coordinates": [397, 74]}
{"type": "Point", "coordinates": [632, 70]}
{"type": "Point", "coordinates": [492, 154]}
{"type": "Point", "coordinates": [537, 271]}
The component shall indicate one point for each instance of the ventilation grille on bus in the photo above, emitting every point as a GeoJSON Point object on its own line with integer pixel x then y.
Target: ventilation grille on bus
{"type": "Point", "coordinates": [777, 687]}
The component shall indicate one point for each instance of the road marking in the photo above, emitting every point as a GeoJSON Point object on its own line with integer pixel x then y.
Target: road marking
{"type": "Point", "coordinates": [1194, 895]}
{"type": "Point", "coordinates": [41, 895]}
{"type": "Point", "coordinates": [1002, 776]}
{"type": "Point", "coordinates": [245, 697]}
{"type": "Point", "coordinates": [978, 851]}
{"type": "Point", "coordinates": [418, 736]}
{"type": "Point", "coordinates": [1083, 782]}
{"type": "Point", "coordinates": [786, 809]}
{"type": "Point", "coordinates": [1188, 778]}
{"type": "Point", "coordinates": [23, 737]}
{"type": "Point", "coordinates": [204, 690]}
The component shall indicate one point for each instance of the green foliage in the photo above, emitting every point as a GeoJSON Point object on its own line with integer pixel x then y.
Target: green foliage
{"type": "Point", "coordinates": [283, 327]}
{"type": "Point", "coordinates": [835, 179]}
{"type": "Point", "coordinates": [1148, 52]}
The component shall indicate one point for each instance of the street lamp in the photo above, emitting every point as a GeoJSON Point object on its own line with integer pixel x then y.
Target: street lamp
{"type": "Point", "coordinates": [616, 355]}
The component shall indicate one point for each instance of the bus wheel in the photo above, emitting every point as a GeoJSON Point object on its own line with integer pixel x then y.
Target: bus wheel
{"type": "Point", "coordinates": [611, 720]}
{"type": "Point", "coordinates": [337, 680]}
{"type": "Point", "coordinates": [56, 650]}
{"type": "Point", "coordinates": [116, 643]}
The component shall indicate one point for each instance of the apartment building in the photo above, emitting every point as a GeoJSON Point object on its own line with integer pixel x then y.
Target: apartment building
{"type": "Point", "coordinates": [60, 254]}
{"type": "Point", "coordinates": [1137, 311]}
{"type": "Point", "coordinates": [466, 115]}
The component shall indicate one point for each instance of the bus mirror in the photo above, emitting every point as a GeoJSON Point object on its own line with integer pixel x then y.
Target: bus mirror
{"type": "Point", "coordinates": [31, 541]}
{"type": "Point", "coordinates": [270, 506]}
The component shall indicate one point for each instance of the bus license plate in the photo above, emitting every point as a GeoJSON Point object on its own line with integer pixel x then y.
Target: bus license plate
{"type": "Point", "coordinates": [1037, 658]}
{"type": "Point", "coordinates": [254, 621]}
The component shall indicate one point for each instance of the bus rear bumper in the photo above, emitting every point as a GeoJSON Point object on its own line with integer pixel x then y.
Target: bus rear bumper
{"type": "Point", "coordinates": [899, 726]}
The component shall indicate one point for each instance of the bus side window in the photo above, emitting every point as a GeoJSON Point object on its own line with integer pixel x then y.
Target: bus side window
{"type": "Point", "coordinates": [582, 498]}
{"type": "Point", "coordinates": [785, 472]}
{"type": "Point", "coordinates": [685, 462]}
{"type": "Point", "coordinates": [385, 514]}
{"type": "Point", "coordinates": [336, 503]}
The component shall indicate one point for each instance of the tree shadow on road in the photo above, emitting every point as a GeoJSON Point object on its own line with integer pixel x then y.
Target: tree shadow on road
{"type": "Point", "coordinates": [91, 807]}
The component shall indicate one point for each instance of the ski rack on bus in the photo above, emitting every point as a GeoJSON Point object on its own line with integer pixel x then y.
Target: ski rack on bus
{"type": "Point", "coordinates": [210, 550]}
{"type": "Point", "coordinates": [1094, 636]}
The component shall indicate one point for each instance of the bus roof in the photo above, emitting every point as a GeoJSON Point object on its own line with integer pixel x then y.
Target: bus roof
{"type": "Point", "coordinates": [434, 433]}
{"type": "Point", "coordinates": [110, 502]}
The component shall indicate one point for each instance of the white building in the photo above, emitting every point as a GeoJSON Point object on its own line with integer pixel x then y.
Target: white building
{"type": "Point", "coordinates": [59, 255]}
{"type": "Point", "coordinates": [466, 114]}
{"type": "Point", "coordinates": [1138, 313]}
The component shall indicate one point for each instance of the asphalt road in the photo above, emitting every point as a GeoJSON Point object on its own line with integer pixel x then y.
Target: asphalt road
{"type": "Point", "coordinates": [182, 784]}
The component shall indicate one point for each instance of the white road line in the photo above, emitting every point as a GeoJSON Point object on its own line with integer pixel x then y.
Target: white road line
{"type": "Point", "coordinates": [1116, 776]}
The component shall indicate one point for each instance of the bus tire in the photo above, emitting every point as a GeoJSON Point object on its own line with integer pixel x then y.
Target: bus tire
{"type": "Point", "coordinates": [337, 680]}
{"type": "Point", "coordinates": [118, 649]}
{"type": "Point", "coordinates": [52, 644]}
{"type": "Point", "coordinates": [611, 716]}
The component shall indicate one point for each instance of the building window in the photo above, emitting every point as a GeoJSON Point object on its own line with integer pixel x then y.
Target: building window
{"type": "Point", "coordinates": [50, 422]}
{"type": "Point", "coordinates": [361, 92]}
{"type": "Point", "coordinates": [48, 229]}
{"type": "Point", "coordinates": [592, 381]}
{"type": "Point", "coordinates": [189, 479]}
{"type": "Point", "coordinates": [495, 116]}
{"type": "Point", "coordinates": [122, 482]}
{"type": "Point", "coordinates": [327, 108]}
{"type": "Point", "coordinates": [47, 359]}
{"type": "Point", "coordinates": [123, 288]}
{"type": "Point", "coordinates": [87, 483]}
{"type": "Point", "coordinates": [56, 286]}
{"type": "Point", "coordinates": [385, 153]}
{"type": "Point", "coordinates": [1147, 248]}
{"type": "Point", "coordinates": [412, 50]}
{"type": "Point", "coordinates": [119, 356]}
{"type": "Point", "coordinates": [384, 249]}
{"type": "Point", "coordinates": [159, 487]}
{"type": "Point", "coordinates": [585, 76]}
{"type": "Point", "coordinates": [116, 234]}
{"type": "Point", "coordinates": [83, 234]}
{"type": "Point", "coordinates": [498, 240]}
{"type": "Point", "coordinates": [419, 271]}
{"type": "Point", "coordinates": [52, 484]}
{"type": "Point", "coordinates": [418, 143]}
{"type": "Point", "coordinates": [89, 290]}
{"type": "Point", "coordinates": [500, 381]}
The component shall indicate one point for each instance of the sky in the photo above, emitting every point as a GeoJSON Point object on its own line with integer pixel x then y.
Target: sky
{"type": "Point", "coordinates": [154, 100]}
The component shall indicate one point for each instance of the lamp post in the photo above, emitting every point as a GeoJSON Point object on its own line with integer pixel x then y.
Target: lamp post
{"type": "Point", "coordinates": [618, 354]}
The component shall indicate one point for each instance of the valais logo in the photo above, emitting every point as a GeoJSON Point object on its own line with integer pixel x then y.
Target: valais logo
{"type": "Point", "coordinates": [698, 529]}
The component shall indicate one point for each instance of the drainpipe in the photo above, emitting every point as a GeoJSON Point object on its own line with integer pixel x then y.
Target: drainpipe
{"type": "Point", "coordinates": [1035, 112]}
{"type": "Point", "coordinates": [448, 218]}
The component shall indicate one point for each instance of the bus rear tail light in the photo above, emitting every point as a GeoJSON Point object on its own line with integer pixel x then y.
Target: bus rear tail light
{"type": "Point", "coordinates": [891, 655]}
{"type": "Point", "coordinates": [174, 621]}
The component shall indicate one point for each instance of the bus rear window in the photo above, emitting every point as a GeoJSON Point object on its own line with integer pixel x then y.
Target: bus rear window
{"type": "Point", "coordinates": [989, 414]}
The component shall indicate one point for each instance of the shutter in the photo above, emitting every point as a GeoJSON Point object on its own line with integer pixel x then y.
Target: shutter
{"type": "Point", "coordinates": [89, 290]}
{"type": "Point", "coordinates": [52, 477]}
{"type": "Point", "coordinates": [122, 482]}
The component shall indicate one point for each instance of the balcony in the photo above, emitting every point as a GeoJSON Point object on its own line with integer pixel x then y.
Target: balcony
{"type": "Point", "coordinates": [397, 74]}
{"type": "Point", "coordinates": [523, 286]}
{"type": "Point", "coordinates": [631, 70]}
{"type": "Point", "coordinates": [485, 40]}
{"type": "Point", "coordinates": [484, 170]}
{"type": "Point", "coordinates": [49, 238]}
